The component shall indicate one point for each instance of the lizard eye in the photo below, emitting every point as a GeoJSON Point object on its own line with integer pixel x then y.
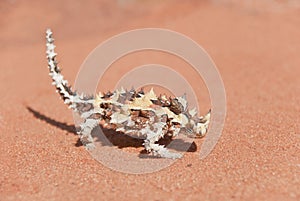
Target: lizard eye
{"type": "Point", "coordinates": [189, 130]}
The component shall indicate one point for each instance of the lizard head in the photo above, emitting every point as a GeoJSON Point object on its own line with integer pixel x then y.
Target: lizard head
{"type": "Point", "coordinates": [197, 126]}
{"type": "Point", "coordinates": [201, 125]}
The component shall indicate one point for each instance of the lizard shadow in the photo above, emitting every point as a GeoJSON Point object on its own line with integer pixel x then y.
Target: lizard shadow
{"type": "Point", "coordinates": [122, 140]}
{"type": "Point", "coordinates": [113, 138]}
{"type": "Point", "coordinates": [63, 126]}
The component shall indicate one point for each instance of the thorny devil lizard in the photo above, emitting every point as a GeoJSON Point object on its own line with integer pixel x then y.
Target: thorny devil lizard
{"type": "Point", "coordinates": [131, 112]}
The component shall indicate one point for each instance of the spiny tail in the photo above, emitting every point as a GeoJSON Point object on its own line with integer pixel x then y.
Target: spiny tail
{"type": "Point", "coordinates": [60, 83]}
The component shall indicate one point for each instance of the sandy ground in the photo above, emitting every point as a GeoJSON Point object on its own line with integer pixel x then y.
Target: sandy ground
{"type": "Point", "coordinates": [256, 48]}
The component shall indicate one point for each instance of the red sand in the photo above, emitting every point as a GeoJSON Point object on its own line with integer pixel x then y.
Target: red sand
{"type": "Point", "coordinates": [256, 48]}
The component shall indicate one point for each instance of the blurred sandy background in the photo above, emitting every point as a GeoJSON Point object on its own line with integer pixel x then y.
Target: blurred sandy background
{"type": "Point", "coordinates": [255, 45]}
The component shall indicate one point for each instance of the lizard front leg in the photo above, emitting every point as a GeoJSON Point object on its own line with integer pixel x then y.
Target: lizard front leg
{"type": "Point", "coordinates": [153, 135]}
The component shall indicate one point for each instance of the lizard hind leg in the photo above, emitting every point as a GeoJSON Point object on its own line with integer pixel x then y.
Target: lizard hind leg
{"type": "Point", "coordinates": [85, 132]}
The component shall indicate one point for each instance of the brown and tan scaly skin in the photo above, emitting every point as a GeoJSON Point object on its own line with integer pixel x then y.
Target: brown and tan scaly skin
{"type": "Point", "coordinates": [132, 112]}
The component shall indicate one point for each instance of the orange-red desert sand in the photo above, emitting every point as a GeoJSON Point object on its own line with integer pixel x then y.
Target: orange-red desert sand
{"type": "Point", "coordinates": [256, 48]}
